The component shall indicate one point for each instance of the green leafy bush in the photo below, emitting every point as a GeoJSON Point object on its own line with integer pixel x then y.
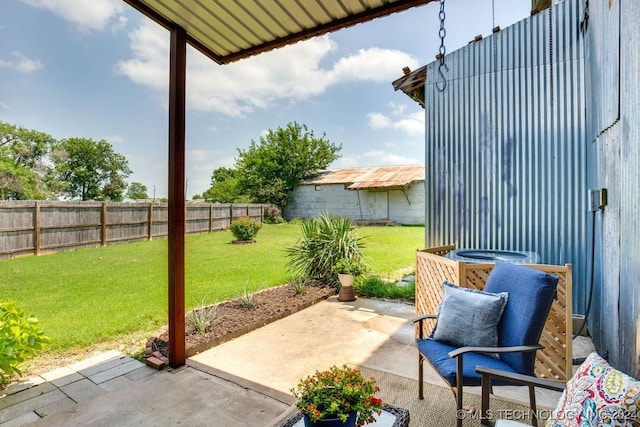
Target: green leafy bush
{"type": "Point", "coordinates": [273, 215]}
{"type": "Point", "coordinates": [374, 286]}
{"type": "Point", "coordinates": [324, 242]}
{"type": "Point", "coordinates": [351, 265]}
{"type": "Point", "coordinates": [20, 337]}
{"type": "Point", "coordinates": [245, 228]}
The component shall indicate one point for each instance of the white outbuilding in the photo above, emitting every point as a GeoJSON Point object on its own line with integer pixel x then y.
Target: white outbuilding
{"type": "Point", "coordinates": [379, 194]}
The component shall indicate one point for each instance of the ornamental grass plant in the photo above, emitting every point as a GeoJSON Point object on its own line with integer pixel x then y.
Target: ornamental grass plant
{"type": "Point", "coordinates": [337, 393]}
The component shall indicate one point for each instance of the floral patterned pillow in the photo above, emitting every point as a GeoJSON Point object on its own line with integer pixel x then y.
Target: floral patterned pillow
{"type": "Point", "coordinates": [598, 395]}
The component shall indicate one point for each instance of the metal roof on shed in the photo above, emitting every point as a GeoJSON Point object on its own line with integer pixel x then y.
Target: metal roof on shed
{"type": "Point", "coordinates": [371, 177]}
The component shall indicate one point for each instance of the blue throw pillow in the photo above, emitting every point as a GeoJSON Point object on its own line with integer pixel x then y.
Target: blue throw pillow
{"type": "Point", "coordinates": [468, 317]}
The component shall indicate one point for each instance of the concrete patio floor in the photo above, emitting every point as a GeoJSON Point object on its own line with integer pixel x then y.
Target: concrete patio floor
{"type": "Point", "coordinates": [216, 387]}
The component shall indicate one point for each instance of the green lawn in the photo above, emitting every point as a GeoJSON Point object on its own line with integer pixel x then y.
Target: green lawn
{"type": "Point", "coordinates": [92, 295]}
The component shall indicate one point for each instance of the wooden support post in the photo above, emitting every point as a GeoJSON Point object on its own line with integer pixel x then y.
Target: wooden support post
{"type": "Point", "coordinates": [36, 229]}
{"type": "Point", "coordinates": [176, 205]}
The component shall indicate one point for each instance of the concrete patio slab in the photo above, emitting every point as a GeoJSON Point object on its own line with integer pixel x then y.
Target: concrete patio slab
{"type": "Point", "coordinates": [255, 371]}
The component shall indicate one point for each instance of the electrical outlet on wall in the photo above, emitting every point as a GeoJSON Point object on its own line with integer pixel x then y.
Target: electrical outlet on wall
{"type": "Point", "coordinates": [597, 199]}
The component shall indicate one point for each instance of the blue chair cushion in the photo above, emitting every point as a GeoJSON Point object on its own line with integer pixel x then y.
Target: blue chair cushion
{"type": "Point", "coordinates": [437, 353]}
{"type": "Point", "coordinates": [531, 293]}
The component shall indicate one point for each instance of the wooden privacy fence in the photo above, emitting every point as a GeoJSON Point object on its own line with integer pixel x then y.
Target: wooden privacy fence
{"type": "Point", "coordinates": [432, 268]}
{"type": "Point", "coordinates": [45, 226]}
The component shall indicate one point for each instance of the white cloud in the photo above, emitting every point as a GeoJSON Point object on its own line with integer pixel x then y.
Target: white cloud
{"type": "Point", "coordinates": [114, 139]}
{"type": "Point", "coordinates": [373, 64]}
{"type": "Point", "coordinates": [378, 121]}
{"type": "Point", "coordinates": [21, 63]}
{"type": "Point", "coordinates": [411, 124]}
{"type": "Point", "coordinates": [88, 15]}
{"type": "Point", "coordinates": [379, 157]}
{"type": "Point", "coordinates": [290, 73]}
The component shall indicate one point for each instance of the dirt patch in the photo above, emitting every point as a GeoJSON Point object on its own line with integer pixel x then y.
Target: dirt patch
{"type": "Point", "coordinates": [233, 318]}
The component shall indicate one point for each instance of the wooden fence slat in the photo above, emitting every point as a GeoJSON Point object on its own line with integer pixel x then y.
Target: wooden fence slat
{"type": "Point", "coordinates": [35, 226]}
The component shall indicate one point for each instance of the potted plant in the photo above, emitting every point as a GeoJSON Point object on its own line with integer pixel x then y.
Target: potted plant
{"type": "Point", "coordinates": [340, 396]}
{"type": "Point", "coordinates": [347, 269]}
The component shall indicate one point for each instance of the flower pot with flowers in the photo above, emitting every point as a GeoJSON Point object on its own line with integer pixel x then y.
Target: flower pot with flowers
{"type": "Point", "coordinates": [340, 396]}
{"type": "Point", "coordinates": [347, 269]}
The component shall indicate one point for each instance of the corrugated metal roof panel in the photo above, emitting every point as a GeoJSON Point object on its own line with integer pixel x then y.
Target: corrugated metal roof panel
{"type": "Point", "coordinates": [229, 30]}
{"type": "Point", "coordinates": [371, 177]}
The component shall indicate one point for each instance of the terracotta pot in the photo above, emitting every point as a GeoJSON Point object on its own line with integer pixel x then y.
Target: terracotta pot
{"type": "Point", "coordinates": [346, 292]}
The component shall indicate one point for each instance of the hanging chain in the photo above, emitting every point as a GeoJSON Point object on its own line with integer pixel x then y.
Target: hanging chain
{"type": "Point", "coordinates": [551, 53]}
{"type": "Point", "coordinates": [441, 84]}
{"type": "Point", "coordinates": [494, 48]}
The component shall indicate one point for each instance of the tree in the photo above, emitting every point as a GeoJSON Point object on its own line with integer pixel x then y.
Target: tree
{"type": "Point", "coordinates": [268, 172]}
{"type": "Point", "coordinates": [24, 171]}
{"type": "Point", "coordinates": [224, 187]}
{"type": "Point", "coordinates": [137, 191]}
{"type": "Point", "coordinates": [90, 170]}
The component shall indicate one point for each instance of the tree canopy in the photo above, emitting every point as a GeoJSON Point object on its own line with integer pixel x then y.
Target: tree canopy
{"type": "Point", "coordinates": [224, 187]}
{"type": "Point", "coordinates": [269, 171]}
{"type": "Point", "coordinates": [24, 172]}
{"type": "Point", "coordinates": [137, 191]}
{"type": "Point", "coordinates": [90, 170]}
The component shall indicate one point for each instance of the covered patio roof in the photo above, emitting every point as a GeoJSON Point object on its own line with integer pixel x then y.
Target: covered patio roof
{"type": "Point", "coordinates": [227, 31]}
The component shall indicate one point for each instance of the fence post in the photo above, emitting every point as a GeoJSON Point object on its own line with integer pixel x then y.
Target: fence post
{"type": "Point", "coordinates": [210, 217]}
{"type": "Point", "coordinates": [103, 220]}
{"type": "Point", "coordinates": [150, 221]}
{"type": "Point", "coordinates": [36, 228]}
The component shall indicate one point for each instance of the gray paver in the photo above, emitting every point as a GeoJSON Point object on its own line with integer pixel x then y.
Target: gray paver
{"type": "Point", "coordinates": [30, 405]}
{"type": "Point", "coordinates": [104, 366]}
{"type": "Point", "coordinates": [129, 365]}
{"type": "Point", "coordinates": [62, 376]}
{"type": "Point", "coordinates": [27, 394]}
{"type": "Point", "coordinates": [116, 383]}
{"type": "Point", "coordinates": [83, 390]}
{"type": "Point", "coordinates": [25, 418]}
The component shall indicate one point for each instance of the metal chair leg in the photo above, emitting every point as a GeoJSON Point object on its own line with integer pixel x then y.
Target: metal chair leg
{"type": "Point", "coordinates": [420, 377]}
{"type": "Point", "coordinates": [532, 404]}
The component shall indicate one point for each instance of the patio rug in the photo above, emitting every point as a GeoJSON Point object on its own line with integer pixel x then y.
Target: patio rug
{"type": "Point", "coordinates": [438, 409]}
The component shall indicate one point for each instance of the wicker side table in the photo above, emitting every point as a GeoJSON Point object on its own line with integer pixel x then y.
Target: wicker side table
{"type": "Point", "coordinates": [391, 416]}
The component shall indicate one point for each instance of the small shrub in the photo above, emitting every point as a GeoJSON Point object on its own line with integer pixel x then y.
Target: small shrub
{"type": "Point", "coordinates": [201, 318]}
{"type": "Point", "coordinates": [20, 337]}
{"type": "Point", "coordinates": [273, 215]}
{"type": "Point", "coordinates": [299, 286]}
{"type": "Point", "coordinates": [245, 228]}
{"type": "Point", "coordinates": [325, 241]}
{"type": "Point", "coordinates": [352, 265]}
{"type": "Point", "coordinates": [374, 286]}
{"type": "Point", "coordinates": [247, 299]}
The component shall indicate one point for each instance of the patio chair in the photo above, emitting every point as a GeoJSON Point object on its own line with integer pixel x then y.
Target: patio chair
{"type": "Point", "coordinates": [498, 327]}
{"type": "Point", "coordinates": [597, 394]}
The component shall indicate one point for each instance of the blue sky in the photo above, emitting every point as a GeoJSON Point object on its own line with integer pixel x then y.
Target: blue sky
{"type": "Point", "coordinates": [98, 69]}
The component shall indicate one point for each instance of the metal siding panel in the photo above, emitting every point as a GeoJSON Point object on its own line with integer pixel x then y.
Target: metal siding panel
{"type": "Point", "coordinates": [628, 358]}
{"type": "Point", "coordinates": [515, 180]}
{"type": "Point", "coordinates": [604, 65]}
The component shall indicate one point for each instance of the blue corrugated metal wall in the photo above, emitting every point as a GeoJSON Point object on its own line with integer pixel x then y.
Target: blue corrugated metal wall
{"type": "Point", "coordinates": [506, 152]}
